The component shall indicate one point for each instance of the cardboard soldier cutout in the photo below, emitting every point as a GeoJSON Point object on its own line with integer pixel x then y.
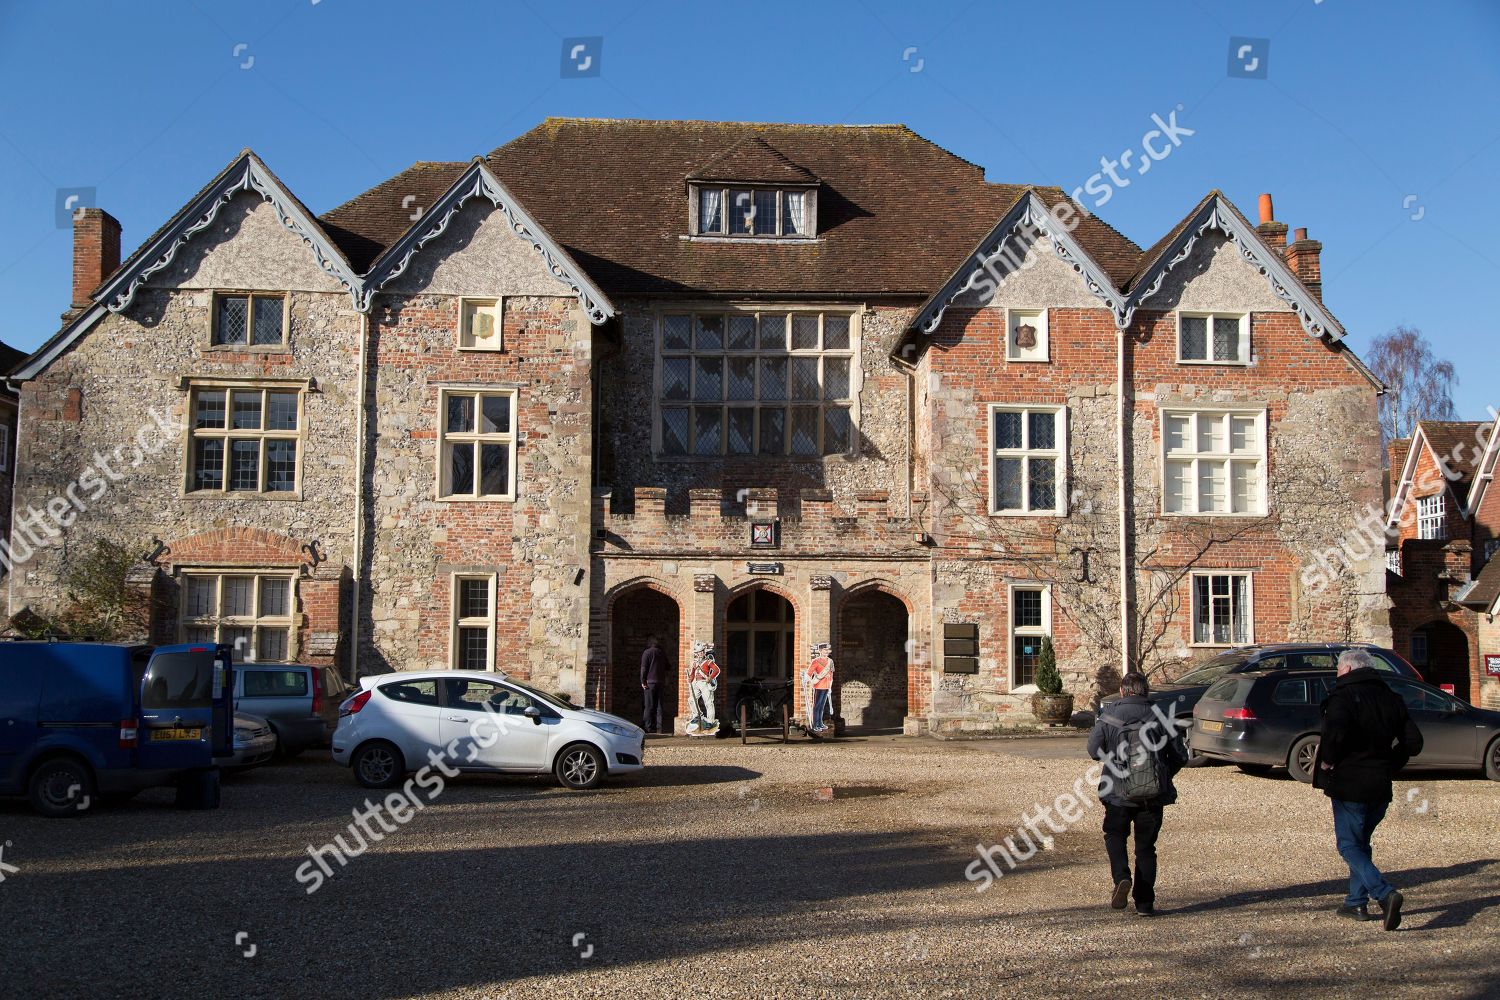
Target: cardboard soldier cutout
{"type": "Point", "coordinates": [818, 686]}
{"type": "Point", "coordinates": [703, 681]}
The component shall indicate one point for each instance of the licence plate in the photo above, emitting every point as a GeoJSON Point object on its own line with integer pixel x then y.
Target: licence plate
{"type": "Point", "coordinates": [165, 735]}
{"type": "Point", "coordinates": [1210, 727]}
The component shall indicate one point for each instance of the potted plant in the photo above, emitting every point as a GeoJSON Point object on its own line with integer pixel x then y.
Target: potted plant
{"type": "Point", "coordinates": [1051, 705]}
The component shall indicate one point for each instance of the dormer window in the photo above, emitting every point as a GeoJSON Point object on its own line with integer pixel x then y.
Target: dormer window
{"type": "Point", "coordinates": [753, 211]}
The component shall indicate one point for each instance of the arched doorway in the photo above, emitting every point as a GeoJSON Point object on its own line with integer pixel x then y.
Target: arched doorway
{"type": "Point", "coordinates": [635, 617]}
{"type": "Point", "coordinates": [871, 659]}
{"type": "Point", "coordinates": [760, 635]}
{"type": "Point", "coordinates": [1441, 651]}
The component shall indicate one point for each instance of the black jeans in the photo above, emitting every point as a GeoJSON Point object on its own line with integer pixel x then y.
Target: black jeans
{"type": "Point", "coordinates": [651, 709]}
{"type": "Point", "coordinates": [1118, 821]}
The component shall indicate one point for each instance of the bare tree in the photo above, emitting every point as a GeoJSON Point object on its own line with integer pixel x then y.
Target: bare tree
{"type": "Point", "coordinates": [1419, 383]}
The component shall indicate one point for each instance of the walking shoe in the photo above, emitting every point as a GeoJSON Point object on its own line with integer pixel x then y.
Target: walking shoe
{"type": "Point", "coordinates": [1145, 911]}
{"type": "Point", "coordinates": [1121, 896]}
{"type": "Point", "coordinates": [1391, 907]}
{"type": "Point", "coordinates": [1355, 912]}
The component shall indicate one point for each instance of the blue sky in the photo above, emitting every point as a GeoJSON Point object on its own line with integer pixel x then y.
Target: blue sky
{"type": "Point", "coordinates": [1376, 123]}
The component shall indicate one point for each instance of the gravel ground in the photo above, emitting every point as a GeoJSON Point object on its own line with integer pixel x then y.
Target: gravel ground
{"type": "Point", "coordinates": [719, 872]}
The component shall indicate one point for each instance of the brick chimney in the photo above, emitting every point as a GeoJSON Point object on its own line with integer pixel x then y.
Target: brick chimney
{"type": "Point", "coordinates": [96, 252]}
{"type": "Point", "coordinates": [1273, 232]}
{"type": "Point", "coordinates": [1305, 258]}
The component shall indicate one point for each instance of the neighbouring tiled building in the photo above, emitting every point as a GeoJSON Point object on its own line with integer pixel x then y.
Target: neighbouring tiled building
{"type": "Point", "coordinates": [753, 385]}
{"type": "Point", "coordinates": [1443, 572]}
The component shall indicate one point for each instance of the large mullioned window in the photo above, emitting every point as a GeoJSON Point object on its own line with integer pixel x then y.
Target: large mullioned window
{"type": "Point", "coordinates": [756, 383]}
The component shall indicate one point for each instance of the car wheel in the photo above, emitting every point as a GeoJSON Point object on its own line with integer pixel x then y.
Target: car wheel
{"type": "Point", "coordinates": [1255, 768]}
{"type": "Point", "coordinates": [61, 787]}
{"type": "Point", "coordinates": [1302, 758]}
{"type": "Point", "coordinates": [378, 764]}
{"type": "Point", "coordinates": [1492, 760]}
{"type": "Point", "coordinates": [579, 766]}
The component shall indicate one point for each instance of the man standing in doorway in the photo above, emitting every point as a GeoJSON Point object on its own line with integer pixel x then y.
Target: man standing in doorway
{"type": "Point", "coordinates": [654, 668]}
{"type": "Point", "coordinates": [1367, 736]}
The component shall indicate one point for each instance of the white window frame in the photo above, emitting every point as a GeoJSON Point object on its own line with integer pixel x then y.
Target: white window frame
{"type": "Point", "coordinates": [487, 622]}
{"type": "Point", "coordinates": [695, 209]}
{"type": "Point", "coordinates": [255, 621]}
{"type": "Point", "coordinates": [228, 434]}
{"type": "Point", "coordinates": [1059, 452]}
{"type": "Point", "coordinates": [495, 306]}
{"type": "Point", "coordinates": [1432, 517]}
{"type": "Point", "coordinates": [1044, 341]}
{"type": "Point", "coordinates": [476, 436]}
{"type": "Point", "coordinates": [849, 402]}
{"type": "Point", "coordinates": [249, 344]}
{"type": "Point", "coordinates": [1244, 342]}
{"type": "Point", "coordinates": [1195, 458]}
{"type": "Point", "coordinates": [1012, 632]}
{"type": "Point", "coordinates": [1393, 560]}
{"type": "Point", "coordinates": [1249, 610]}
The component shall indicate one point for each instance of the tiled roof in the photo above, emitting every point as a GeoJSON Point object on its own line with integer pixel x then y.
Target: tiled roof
{"type": "Point", "coordinates": [1457, 444]}
{"type": "Point", "coordinates": [753, 159]}
{"type": "Point", "coordinates": [896, 213]}
{"type": "Point", "coordinates": [1486, 589]}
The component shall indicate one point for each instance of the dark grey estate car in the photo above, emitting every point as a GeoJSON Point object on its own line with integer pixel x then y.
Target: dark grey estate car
{"type": "Point", "coordinates": [300, 701]}
{"type": "Point", "coordinates": [1271, 718]}
{"type": "Point", "coordinates": [1184, 692]}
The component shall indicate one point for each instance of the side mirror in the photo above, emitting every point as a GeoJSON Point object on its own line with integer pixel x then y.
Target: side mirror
{"type": "Point", "coordinates": [533, 713]}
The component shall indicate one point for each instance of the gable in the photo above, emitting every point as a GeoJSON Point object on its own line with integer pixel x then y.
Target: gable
{"type": "Point", "coordinates": [477, 254]}
{"type": "Point", "coordinates": [245, 247]}
{"type": "Point", "coordinates": [1213, 215]}
{"type": "Point", "coordinates": [1484, 499]}
{"type": "Point", "coordinates": [479, 185]}
{"type": "Point", "coordinates": [1034, 276]}
{"type": "Point", "coordinates": [1215, 277]}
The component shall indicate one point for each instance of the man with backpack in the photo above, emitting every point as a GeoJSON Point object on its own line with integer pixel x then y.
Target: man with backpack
{"type": "Point", "coordinates": [1141, 751]}
{"type": "Point", "coordinates": [1367, 736]}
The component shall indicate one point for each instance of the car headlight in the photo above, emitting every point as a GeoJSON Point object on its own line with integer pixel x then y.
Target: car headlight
{"type": "Point", "coordinates": [613, 729]}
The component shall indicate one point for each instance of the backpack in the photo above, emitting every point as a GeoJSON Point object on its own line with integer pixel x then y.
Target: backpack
{"type": "Point", "coordinates": [1141, 781]}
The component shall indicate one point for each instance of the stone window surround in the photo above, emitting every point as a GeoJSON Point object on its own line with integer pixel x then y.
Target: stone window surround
{"type": "Point", "coordinates": [498, 302]}
{"type": "Point", "coordinates": [1262, 426]}
{"type": "Point", "coordinates": [1059, 451]}
{"type": "Point", "coordinates": [809, 212]}
{"type": "Point", "coordinates": [512, 389]}
{"type": "Point", "coordinates": [855, 312]}
{"type": "Point", "coordinates": [1249, 609]}
{"type": "Point", "coordinates": [1245, 345]}
{"type": "Point", "coordinates": [253, 622]}
{"type": "Point", "coordinates": [191, 385]}
{"type": "Point", "coordinates": [285, 347]}
{"type": "Point", "coordinates": [1011, 632]}
{"type": "Point", "coordinates": [1044, 339]}
{"type": "Point", "coordinates": [487, 622]}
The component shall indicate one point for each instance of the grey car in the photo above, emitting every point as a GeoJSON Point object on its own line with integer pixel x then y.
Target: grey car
{"type": "Point", "coordinates": [300, 701]}
{"type": "Point", "coordinates": [1265, 719]}
{"type": "Point", "coordinates": [254, 743]}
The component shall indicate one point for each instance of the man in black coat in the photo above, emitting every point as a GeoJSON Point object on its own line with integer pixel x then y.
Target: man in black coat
{"type": "Point", "coordinates": [654, 672]}
{"type": "Point", "coordinates": [1367, 737]}
{"type": "Point", "coordinates": [1110, 743]}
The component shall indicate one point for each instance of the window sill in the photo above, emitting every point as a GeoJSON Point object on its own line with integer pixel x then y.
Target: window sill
{"type": "Point", "coordinates": [1028, 513]}
{"type": "Point", "coordinates": [247, 349]}
{"type": "Point", "coordinates": [1186, 514]}
{"type": "Point", "coordinates": [1214, 364]}
{"type": "Point", "coordinates": [509, 498]}
{"type": "Point", "coordinates": [470, 349]}
{"type": "Point", "coordinates": [803, 459]}
{"type": "Point", "coordinates": [1221, 645]}
{"type": "Point", "coordinates": [736, 240]}
{"type": "Point", "coordinates": [293, 496]}
{"type": "Point", "coordinates": [1028, 361]}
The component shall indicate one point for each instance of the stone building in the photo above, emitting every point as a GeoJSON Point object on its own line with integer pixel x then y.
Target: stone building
{"type": "Point", "coordinates": [9, 401]}
{"type": "Point", "coordinates": [1443, 575]}
{"type": "Point", "coordinates": [758, 386]}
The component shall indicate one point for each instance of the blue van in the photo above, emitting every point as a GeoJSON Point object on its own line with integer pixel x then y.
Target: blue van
{"type": "Point", "coordinates": [81, 721]}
